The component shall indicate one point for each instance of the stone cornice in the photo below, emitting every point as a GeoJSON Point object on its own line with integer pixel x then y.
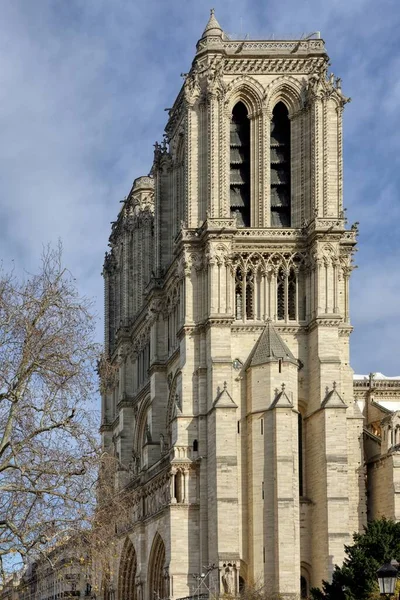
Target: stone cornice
{"type": "Point", "coordinates": [276, 64]}
{"type": "Point", "coordinates": [271, 48]}
{"type": "Point", "coordinates": [325, 321]}
{"type": "Point", "coordinates": [109, 426]}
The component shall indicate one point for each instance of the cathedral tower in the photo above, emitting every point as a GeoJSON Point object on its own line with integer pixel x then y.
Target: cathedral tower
{"type": "Point", "coordinates": [232, 415]}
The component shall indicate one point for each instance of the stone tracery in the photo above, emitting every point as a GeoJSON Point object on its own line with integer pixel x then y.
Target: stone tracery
{"type": "Point", "coordinates": [267, 286]}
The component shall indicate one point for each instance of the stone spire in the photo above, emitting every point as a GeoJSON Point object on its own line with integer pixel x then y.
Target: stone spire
{"type": "Point", "coordinates": [271, 347]}
{"type": "Point", "coordinates": [213, 28]}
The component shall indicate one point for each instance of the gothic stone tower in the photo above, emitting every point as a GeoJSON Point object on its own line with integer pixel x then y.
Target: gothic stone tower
{"type": "Point", "coordinates": [232, 415]}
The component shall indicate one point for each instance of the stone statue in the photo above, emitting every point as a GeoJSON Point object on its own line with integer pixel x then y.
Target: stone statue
{"type": "Point", "coordinates": [228, 580]}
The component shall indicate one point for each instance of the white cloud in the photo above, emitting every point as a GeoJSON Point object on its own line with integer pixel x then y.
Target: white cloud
{"type": "Point", "coordinates": [83, 85]}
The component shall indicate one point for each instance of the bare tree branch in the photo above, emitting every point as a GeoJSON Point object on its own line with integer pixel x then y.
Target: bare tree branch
{"type": "Point", "coordinates": [48, 448]}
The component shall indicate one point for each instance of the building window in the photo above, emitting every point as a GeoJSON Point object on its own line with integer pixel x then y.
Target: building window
{"type": "Point", "coordinates": [303, 587]}
{"type": "Point", "coordinates": [292, 295]}
{"type": "Point", "coordinates": [249, 294]}
{"type": "Point", "coordinates": [239, 294]}
{"type": "Point", "coordinates": [280, 167]}
{"type": "Point", "coordinates": [286, 295]}
{"type": "Point", "coordinates": [256, 285]}
{"type": "Point", "coordinates": [300, 453]}
{"type": "Point", "coordinates": [244, 294]}
{"type": "Point", "coordinates": [280, 295]}
{"type": "Point", "coordinates": [179, 487]}
{"type": "Point", "coordinates": [240, 165]}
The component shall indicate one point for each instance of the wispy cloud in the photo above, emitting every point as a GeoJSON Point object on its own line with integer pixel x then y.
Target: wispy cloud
{"type": "Point", "coordinates": [83, 85]}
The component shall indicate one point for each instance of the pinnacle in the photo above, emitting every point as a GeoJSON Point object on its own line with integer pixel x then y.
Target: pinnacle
{"type": "Point", "coordinates": [212, 27]}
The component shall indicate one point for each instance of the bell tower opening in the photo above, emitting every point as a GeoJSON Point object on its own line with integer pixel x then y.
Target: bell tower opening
{"type": "Point", "coordinates": [240, 165]}
{"type": "Point", "coordinates": [280, 167]}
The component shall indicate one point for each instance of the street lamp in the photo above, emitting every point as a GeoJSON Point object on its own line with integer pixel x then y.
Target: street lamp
{"type": "Point", "coordinates": [387, 576]}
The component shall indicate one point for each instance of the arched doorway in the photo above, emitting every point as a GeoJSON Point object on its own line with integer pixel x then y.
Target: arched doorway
{"type": "Point", "coordinates": [304, 580]}
{"type": "Point", "coordinates": [156, 576]}
{"type": "Point", "coordinates": [127, 572]}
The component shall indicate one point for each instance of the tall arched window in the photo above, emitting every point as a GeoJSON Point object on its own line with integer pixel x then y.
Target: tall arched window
{"type": "Point", "coordinates": [127, 572]}
{"type": "Point", "coordinates": [286, 295]}
{"type": "Point", "coordinates": [303, 587]}
{"type": "Point", "coordinates": [280, 295]}
{"type": "Point", "coordinates": [292, 295]}
{"type": "Point", "coordinates": [300, 451]}
{"type": "Point", "coordinates": [239, 293]}
{"type": "Point", "coordinates": [240, 165]}
{"type": "Point", "coordinates": [244, 293]}
{"type": "Point", "coordinates": [180, 186]}
{"type": "Point", "coordinates": [250, 294]}
{"type": "Point", "coordinates": [280, 167]}
{"type": "Point", "coordinates": [157, 576]}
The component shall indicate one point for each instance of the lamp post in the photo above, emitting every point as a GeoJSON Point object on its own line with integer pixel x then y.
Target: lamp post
{"type": "Point", "coordinates": [387, 576]}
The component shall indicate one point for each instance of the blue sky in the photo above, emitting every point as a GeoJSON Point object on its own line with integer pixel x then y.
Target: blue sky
{"type": "Point", "coordinates": [83, 87]}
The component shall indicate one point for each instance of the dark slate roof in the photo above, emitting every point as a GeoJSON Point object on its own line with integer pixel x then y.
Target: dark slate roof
{"type": "Point", "coordinates": [271, 347]}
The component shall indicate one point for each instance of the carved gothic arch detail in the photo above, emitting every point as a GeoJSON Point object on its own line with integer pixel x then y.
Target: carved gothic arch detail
{"type": "Point", "coordinates": [286, 89]}
{"type": "Point", "coordinates": [244, 89]}
{"type": "Point", "coordinates": [141, 424]}
{"type": "Point", "coordinates": [269, 262]}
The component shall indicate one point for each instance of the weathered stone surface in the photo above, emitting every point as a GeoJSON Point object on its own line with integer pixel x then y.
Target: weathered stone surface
{"type": "Point", "coordinates": [204, 412]}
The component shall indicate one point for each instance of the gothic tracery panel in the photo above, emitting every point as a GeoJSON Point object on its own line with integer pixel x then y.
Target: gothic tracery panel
{"type": "Point", "coordinates": [269, 285]}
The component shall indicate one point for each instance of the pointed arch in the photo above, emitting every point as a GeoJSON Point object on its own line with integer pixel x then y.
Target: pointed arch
{"type": "Point", "coordinates": [245, 200]}
{"type": "Point", "coordinates": [156, 573]}
{"type": "Point", "coordinates": [247, 90]}
{"type": "Point", "coordinates": [305, 579]}
{"type": "Point", "coordinates": [140, 438]}
{"type": "Point", "coordinates": [127, 572]}
{"type": "Point", "coordinates": [287, 90]}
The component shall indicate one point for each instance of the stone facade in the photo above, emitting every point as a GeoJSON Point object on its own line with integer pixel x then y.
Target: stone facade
{"type": "Point", "coordinates": [231, 412]}
{"type": "Point", "coordinates": [63, 571]}
{"type": "Point", "coordinates": [379, 399]}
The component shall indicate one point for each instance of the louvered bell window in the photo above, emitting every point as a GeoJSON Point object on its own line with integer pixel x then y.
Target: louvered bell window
{"type": "Point", "coordinates": [240, 165]}
{"type": "Point", "coordinates": [280, 167]}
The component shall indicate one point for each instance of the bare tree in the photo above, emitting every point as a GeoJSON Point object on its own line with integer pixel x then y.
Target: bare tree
{"type": "Point", "coordinates": [48, 443]}
{"type": "Point", "coordinates": [111, 519]}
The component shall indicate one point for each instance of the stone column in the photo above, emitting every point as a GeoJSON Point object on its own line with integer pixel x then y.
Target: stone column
{"type": "Point", "coordinates": [213, 154]}
{"type": "Point", "coordinates": [265, 209]}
